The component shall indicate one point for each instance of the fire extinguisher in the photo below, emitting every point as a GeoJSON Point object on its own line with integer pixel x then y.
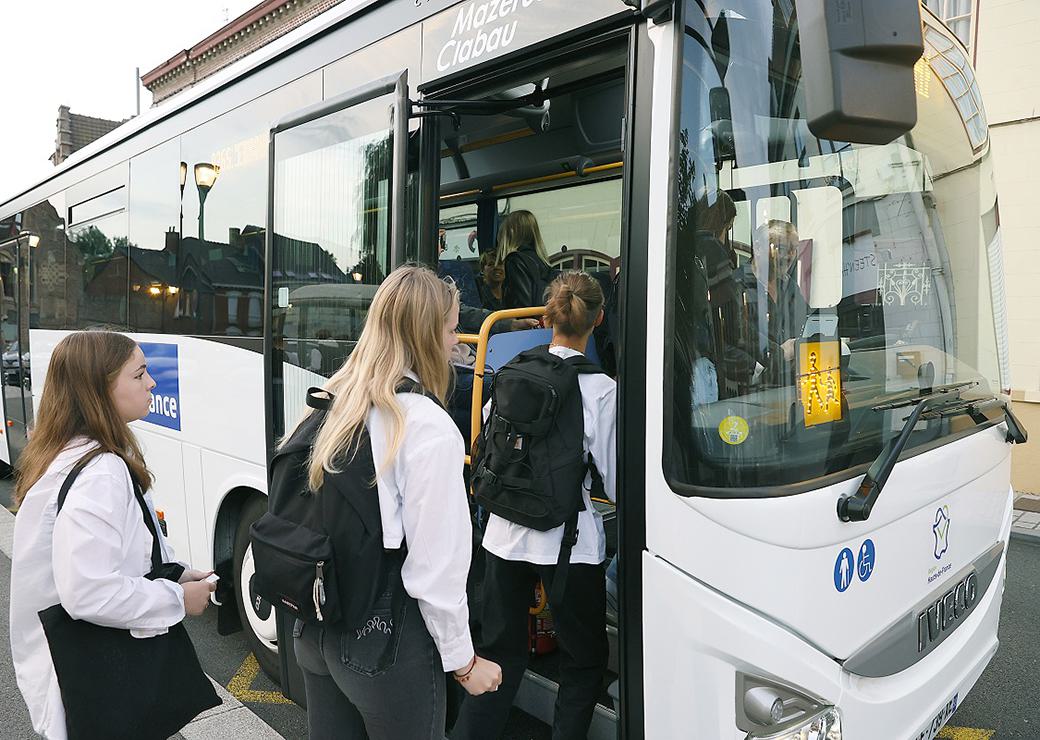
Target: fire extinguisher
{"type": "Point", "coordinates": [541, 633]}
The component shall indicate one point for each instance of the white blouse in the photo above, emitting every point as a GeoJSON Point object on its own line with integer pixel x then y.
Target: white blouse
{"type": "Point", "coordinates": [92, 559]}
{"type": "Point", "coordinates": [422, 504]}
{"type": "Point", "coordinates": [511, 541]}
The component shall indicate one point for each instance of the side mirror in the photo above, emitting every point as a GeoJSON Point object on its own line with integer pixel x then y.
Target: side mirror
{"type": "Point", "coordinates": [858, 60]}
{"type": "Point", "coordinates": [721, 124]}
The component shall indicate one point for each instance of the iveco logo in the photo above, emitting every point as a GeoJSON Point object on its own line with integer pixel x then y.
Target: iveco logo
{"type": "Point", "coordinates": [942, 616]}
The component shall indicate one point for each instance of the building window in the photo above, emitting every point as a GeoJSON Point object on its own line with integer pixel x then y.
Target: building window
{"type": "Point", "coordinates": [957, 14]}
{"type": "Point", "coordinates": [951, 66]}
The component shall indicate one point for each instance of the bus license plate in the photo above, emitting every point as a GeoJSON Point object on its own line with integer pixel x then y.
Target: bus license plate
{"type": "Point", "coordinates": [942, 716]}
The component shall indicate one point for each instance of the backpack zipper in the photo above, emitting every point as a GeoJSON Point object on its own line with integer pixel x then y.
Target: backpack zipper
{"type": "Point", "coordinates": [319, 589]}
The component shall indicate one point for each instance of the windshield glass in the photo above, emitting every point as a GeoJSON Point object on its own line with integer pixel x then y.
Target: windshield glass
{"type": "Point", "coordinates": [812, 280]}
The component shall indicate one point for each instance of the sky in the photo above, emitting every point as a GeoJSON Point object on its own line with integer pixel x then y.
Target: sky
{"type": "Point", "coordinates": [83, 54]}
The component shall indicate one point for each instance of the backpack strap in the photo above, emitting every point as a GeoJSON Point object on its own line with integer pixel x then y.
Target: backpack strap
{"type": "Point", "coordinates": [563, 562]}
{"type": "Point", "coordinates": [156, 554]}
{"type": "Point", "coordinates": [319, 399]}
{"type": "Point", "coordinates": [408, 385]}
{"type": "Point", "coordinates": [584, 366]}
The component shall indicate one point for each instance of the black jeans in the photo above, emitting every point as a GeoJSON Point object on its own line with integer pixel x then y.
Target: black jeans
{"type": "Point", "coordinates": [580, 623]}
{"type": "Point", "coordinates": [350, 697]}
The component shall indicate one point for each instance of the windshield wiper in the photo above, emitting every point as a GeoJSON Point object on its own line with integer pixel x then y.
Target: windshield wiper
{"type": "Point", "coordinates": [924, 393]}
{"type": "Point", "coordinates": [944, 401]}
{"type": "Point", "coordinates": [856, 507]}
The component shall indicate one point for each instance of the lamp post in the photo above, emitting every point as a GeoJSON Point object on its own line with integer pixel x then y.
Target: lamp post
{"type": "Point", "coordinates": [205, 176]}
{"type": "Point", "coordinates": [184, 177]}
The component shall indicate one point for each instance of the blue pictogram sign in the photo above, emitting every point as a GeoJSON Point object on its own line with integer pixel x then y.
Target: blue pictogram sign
{"type": "Point", "coordinates": [843, 570]}
{"type": "Point", "coordinates": [865, 561]}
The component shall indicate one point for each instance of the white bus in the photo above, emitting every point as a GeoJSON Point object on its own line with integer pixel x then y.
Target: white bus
{"type": "Point", "coordinates": [811, 345]}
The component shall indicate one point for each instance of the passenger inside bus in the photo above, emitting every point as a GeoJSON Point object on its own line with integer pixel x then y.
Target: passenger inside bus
{"type": "Point", "coordinates": [710, 331]}
{"type": "Point", "coordinates": [565, 171]}
{"type": "Point", "coordinates": [492, 280]}
{"type": "Point", "coordinates": [521, 251]}
{"type": "Point", "coordinates": [517, 556]}
{"type": "Point", "coordinates": [777, 289]}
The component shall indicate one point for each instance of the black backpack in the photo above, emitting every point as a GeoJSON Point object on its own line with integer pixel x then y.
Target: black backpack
{"type": "Point", "coordinates": [530, 461]}
{"type": "Point", "coordinates": [319, 556]}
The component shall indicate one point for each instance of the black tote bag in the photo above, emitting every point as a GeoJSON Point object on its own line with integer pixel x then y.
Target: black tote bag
{"type": "Point", "coordinates": [114, 685]}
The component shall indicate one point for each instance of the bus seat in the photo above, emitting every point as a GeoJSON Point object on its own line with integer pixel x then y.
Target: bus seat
{"type": "Point", "coordinates": [504, 346]}
{"type": "Point", "coordinates": [461, 273]}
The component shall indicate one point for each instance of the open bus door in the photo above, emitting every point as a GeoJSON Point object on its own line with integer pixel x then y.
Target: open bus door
{"type": "Point", "coordinates": [335, 229]}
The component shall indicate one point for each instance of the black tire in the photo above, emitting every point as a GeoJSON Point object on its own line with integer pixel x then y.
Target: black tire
{"type": "Point", "coordinates": [267, 657]}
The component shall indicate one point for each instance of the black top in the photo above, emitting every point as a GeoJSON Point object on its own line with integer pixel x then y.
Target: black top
{"type": "Point", "coordinates": [527, 277]}
{"type": "Point", "coordinates": [487, 297]}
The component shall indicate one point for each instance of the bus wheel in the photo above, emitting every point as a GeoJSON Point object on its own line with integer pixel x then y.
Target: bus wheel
{"type": "Point", "coordinates": [258, 618]}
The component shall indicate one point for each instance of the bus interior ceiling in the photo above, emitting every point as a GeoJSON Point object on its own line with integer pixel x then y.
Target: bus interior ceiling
{"type": "Point", "coordinates": [560, 158]}
{"type": "Point", "coordinates": [502, 155]}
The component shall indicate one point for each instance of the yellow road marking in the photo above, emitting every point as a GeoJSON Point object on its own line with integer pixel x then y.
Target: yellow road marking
{"type": "Point", "coordinates": [962, 733]}
{"type": "Point", "coordinates": [241, 685]}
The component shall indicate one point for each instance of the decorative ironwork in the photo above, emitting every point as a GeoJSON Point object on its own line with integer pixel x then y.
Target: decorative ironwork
{"type": "Point", "coordinates": [905, 282]}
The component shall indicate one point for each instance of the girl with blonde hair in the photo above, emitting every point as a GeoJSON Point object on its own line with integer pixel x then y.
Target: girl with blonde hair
{"type": "Point", "coordinates": [389, 394]}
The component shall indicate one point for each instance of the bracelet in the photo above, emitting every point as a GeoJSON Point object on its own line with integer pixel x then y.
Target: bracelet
{"type": "Point", "coordinates": [462, 678]}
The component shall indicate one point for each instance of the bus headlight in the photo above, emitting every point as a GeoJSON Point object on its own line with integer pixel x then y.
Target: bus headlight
{"type": "Point", "coordinates": [824, 725]}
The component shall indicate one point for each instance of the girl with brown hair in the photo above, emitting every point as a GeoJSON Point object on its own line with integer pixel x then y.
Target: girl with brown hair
{"type": "Point", "coordinates": [93, 558]}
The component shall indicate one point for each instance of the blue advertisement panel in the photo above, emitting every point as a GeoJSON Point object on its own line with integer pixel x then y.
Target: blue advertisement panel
{"type": "Point", "coordinates": [165, 409]}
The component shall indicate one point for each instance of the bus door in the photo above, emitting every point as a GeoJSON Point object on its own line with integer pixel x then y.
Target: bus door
{"type": "Point", "coordinates": [544, 137]}
{"type": "Point", "coordinates": [14, 345]}
{"type": "Point", "coordinates": [335, 230]}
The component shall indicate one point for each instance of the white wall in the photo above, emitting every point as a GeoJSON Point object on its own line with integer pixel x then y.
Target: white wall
{"type": "Point", "coordinates": [1007, 62]}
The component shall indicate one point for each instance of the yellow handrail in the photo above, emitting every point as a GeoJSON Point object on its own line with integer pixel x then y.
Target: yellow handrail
{"type": "Point", "coordinates": [481, 342]}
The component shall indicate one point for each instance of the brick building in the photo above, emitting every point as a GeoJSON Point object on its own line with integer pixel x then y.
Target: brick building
{"type": "Point", "coordinates": [253, 29]}
{"type": "Point", "coordinates": [76, 131]}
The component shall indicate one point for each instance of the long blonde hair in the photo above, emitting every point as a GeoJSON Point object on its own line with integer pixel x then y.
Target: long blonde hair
{"type": "Point", "coordinates": [403, 331]}
{"type": "Point", "coordinates": [77, 401]}
{"type": "Point", "coordinates": [516, 230]}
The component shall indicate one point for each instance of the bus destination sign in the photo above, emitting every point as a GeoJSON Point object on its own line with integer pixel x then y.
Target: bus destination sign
{"type": "Point", "coordinates": [479, 30]}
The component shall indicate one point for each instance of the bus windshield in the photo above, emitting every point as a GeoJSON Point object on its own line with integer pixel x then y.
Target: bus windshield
{"type": "Point", "coordinates": [813, 281]}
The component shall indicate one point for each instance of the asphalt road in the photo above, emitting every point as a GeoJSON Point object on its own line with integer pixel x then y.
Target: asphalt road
{"type": "Point", "coordinates": [1005, 699]}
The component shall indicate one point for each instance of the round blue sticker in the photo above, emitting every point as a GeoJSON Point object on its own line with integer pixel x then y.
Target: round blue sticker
{"type": "Point", "coordinates": [843, 570]}
{"type": "Point", "coordinates": [865, 563]}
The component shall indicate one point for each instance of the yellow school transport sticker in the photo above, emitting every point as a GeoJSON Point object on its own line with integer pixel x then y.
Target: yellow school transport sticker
{"type": "Point", "coordinates": [733, 430]}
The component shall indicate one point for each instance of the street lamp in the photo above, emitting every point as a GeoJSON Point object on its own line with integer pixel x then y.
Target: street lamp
{"type": "Point", "coordinates": [184, 177]}
{"type": "Point", "coordinates": [205, 176]}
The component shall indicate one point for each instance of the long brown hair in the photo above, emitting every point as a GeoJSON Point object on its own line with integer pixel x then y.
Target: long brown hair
{"type": "Point", "coordinates": [77, 401]}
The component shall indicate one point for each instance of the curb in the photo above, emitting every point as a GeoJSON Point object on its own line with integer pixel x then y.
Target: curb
{"type": "Point", "coordinates": [1026, 535]}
